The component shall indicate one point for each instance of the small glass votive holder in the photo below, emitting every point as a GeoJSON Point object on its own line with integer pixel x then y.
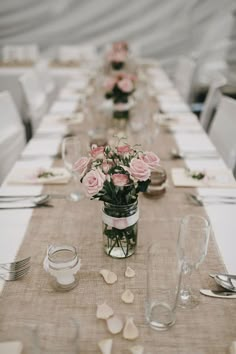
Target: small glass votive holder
{"type": "Point", "coordinates": [97, 136]}
{"type": "Point", "coordinates": [63, 265]}
{"type": "Point", "coordinates": [157, 186]}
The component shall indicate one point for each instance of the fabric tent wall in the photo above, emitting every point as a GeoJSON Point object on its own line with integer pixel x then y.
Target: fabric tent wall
{"type": "Point", "coordinates": [162, 29]}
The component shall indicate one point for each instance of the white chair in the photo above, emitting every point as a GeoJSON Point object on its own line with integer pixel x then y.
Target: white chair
{"type": "Point", "coordinates": [184, 77]}
{"type": "Point", "coordinates": [35, 98]}
{"type": "Point", "coordinates": [211, 101]}
{"type": "Point", "coordinates": [12, 137]}
{"type": "Point", "coordinates": [20, 53]}
{"type": "Point", "coordinates": [223, 130]}
{"type": "Point", "coordinates": [45, 79]}
{"type": "Point", "coordinates": [66, 53]}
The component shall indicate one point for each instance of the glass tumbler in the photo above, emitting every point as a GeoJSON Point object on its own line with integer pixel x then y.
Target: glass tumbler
{"type": "Point", "coordinates": [57, 336]}
{"type": "Point", "coordinates": [163, 280]}
{"type": "Point", "coordinates": [63, 264]}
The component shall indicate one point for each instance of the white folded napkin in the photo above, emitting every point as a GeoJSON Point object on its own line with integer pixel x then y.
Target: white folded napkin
{"type": "Point", "coordinates": [216, 178]}
{"type": "Point", "coordinates": [64, 107]}
{"type": "Point", "coordinates": [169, 107]}
{"type": "Point", "coordinates": [39, 176]}
{"type": "Point", "coordinates": [78, 85]}
{"type": "Point", "coordinates": [72, 95]}
{"type": "Point", "coordinates": [57, 128]}
{"type": "Point", "coordinates": [43, 147]}
{"type": "Point", "coordinates": [11, 347]}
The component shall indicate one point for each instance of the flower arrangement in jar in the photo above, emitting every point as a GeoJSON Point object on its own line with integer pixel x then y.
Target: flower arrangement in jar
{"type": "Point", "coordinates": [119, 88]}
{"type": "Point", "coordinates": [118, 54]}
{"type": "Point", "coordinates": [116, 175]}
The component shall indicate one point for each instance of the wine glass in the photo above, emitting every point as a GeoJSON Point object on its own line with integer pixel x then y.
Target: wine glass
{"type": "Point", "coordinates": [192, 246]}
{"type": "Point", "coordinates": [71, 152]}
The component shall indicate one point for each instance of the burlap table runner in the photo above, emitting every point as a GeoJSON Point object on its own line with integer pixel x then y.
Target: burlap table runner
{"type": "Point", "coordinates": [209, 328]}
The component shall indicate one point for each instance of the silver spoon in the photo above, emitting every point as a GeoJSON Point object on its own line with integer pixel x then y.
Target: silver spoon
{"type": "Point", "coordinates": [225, 282]}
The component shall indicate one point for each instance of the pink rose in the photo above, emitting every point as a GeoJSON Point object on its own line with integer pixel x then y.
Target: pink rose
{"type": "Point", "coordinates": [120, 179]}
{"type": "Point", "coordinates": [109, 83]}
{"type": "Point", "coordinates": [82, 165]}
{"type": "Point", "coordinates": [122, 45]}
{"type": "Point", "coordinates": [106, 166]}
{"type": "Point", "coordinates": [93, 182]}
{"type": "Point", "coordinates": [139, 170]}
{"type": "Point", "coordinates": [126, 85]}
{"type": "Point", "coordinates": [97, 152]}
{"type": "Point", "coordinates": [118, 56]}
{"type": "Point", "coordinates": [124, 149]}
{"type": "Point", "coordinates": [151, 159]}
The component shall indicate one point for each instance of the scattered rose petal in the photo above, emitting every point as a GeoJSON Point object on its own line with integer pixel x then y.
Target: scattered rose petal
{"type": "Point", "coordinates": [137, 349]}
{"type": "Point", "coordinates": [105, 346]}
{"type": "Point", "coordinates": [127, 297]}
{"type": "Point", "coordinates": [130, 330]}
{"type": "Point", "coordinates": [129, 273]}
{"type": "Point", "coordinates": [114, 324]}
{"type": "Point", "coordinates": [109, 277]}
{"type": "Point", "coordinates": [104, 311]}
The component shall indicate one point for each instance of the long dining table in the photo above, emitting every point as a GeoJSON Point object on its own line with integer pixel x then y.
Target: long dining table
{"type": "Point", "coordinates": [209, 328]}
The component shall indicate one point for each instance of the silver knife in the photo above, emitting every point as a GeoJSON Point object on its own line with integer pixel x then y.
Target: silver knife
{"type": "Point", "coordinates": [218, 293]}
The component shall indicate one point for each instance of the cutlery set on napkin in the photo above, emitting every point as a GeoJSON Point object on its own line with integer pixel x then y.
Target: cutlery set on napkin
{"type": "Point", "coordinates": [25, 202]}
{"type": "Point", "coordinates": [228, 284]}
{"type": "Point", "coordinates": [183, 177]}
{"type": "Point", "coordinates": [39, 176]}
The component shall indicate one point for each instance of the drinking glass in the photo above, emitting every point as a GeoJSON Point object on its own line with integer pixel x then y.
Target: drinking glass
{"type": "Point", "coordinates": [18, 336]}
{"type": "Point", "coordinates": [63, 265]}
{"type": "Point", "coordinates": [192, 246]}
{"type": "Point", "coordinates": [71, 152]}
{"type": "Point", "coordinates": [59, 337]}
{"type": "Point", "coordinates": [163, 279]}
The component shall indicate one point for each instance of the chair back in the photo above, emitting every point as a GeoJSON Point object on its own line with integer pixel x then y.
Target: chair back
{"type": "Point", "coordinates": [223, 130]}
{"type": "Point", "coordinates": [211, 101]}
{"type": "Point", "coordinates": [12, 137]}
{"type": "Point", "coordinates": [35, 98]}
{"type": "Point", "coordinates": [45, 78]}
{"type": "Point", "coordinates": [20, 53]}
{"type": "Point", "coordinates": [67, 53]}
{"type": "Point", "coordinates": [184, 77]}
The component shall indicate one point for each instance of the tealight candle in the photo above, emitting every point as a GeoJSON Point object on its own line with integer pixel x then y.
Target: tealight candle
{"type": "Point", "coordinates": [63, 264]}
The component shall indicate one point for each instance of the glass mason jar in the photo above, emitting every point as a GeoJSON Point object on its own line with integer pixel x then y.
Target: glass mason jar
{"type": "Point", "coordinates": [120, 229]}
{"type": "Point", "coordinates": [63, 264]}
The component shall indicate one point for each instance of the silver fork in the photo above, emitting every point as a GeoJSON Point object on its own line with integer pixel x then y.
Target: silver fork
{"type": "Point", "coordinates": [16, 265]}
{"type": "Point", "coordinates": [14, 275]}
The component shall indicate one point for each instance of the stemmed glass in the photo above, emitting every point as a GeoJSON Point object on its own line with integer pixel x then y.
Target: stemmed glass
{"type": "Point", "coordinates": [191, 249]}
{"type": "Point", "coordinates": [71, 152]}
